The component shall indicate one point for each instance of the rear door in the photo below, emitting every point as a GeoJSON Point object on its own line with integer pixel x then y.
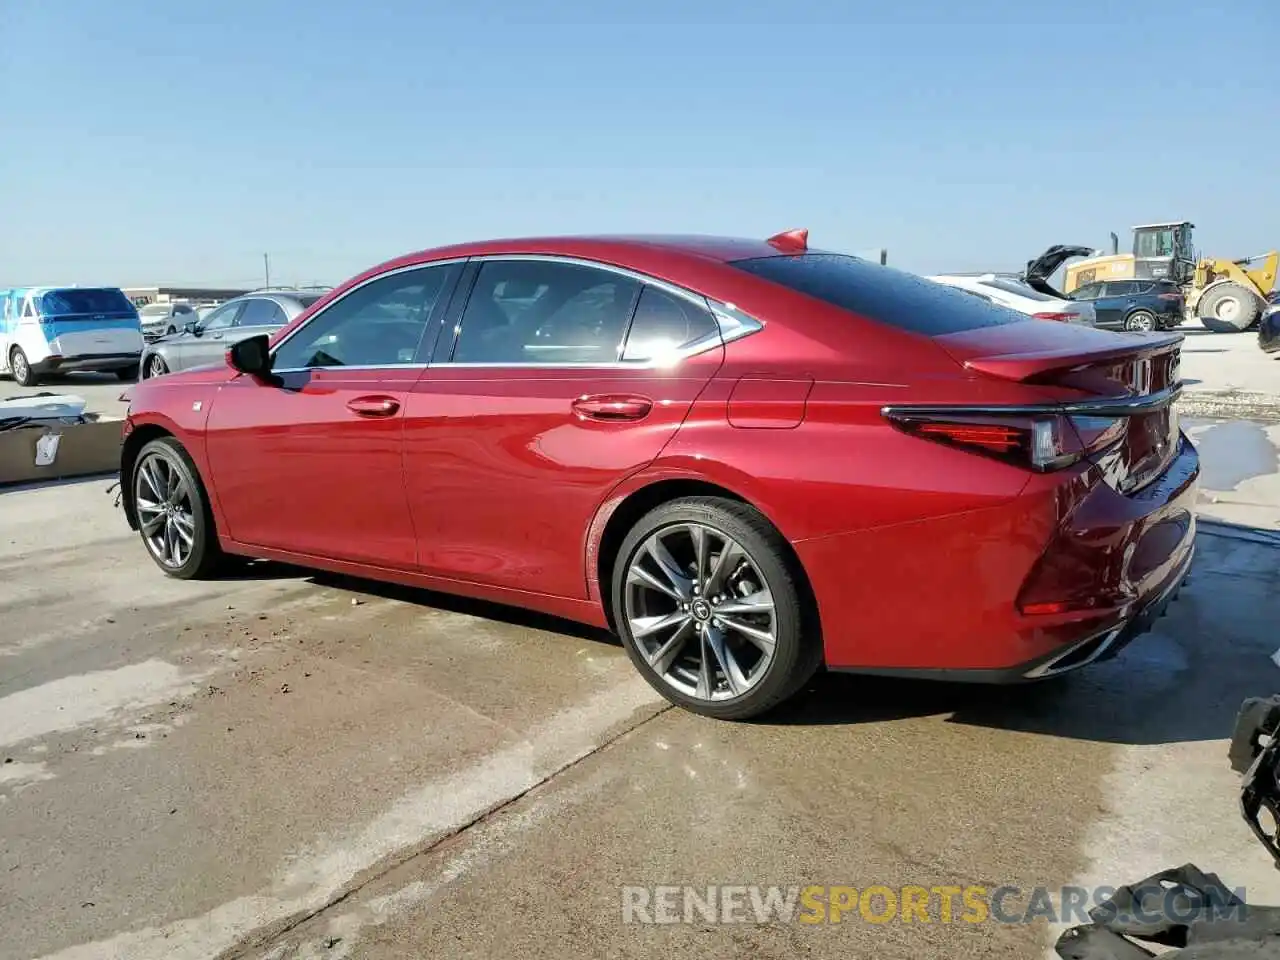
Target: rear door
{"type": "Point", "coordinates": [1114, 302]}
{"type": "Point", "coordinates": [551, 382]}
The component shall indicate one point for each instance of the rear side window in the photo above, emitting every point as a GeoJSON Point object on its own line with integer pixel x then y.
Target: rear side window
{"type": "Point", "coordinates": [881, 293]}
{"type": "Point", "coordinates": [1122, 288]}
{"type": "Point", "coordinates": [260, 312]}
{"type": "Point", "coordinates": [66, 302]}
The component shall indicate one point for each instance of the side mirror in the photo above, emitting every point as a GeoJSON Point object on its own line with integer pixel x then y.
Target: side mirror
{"type": "Point", "coordinates": [251, 356]}
{"type": "Point", "coordinates": [191, 326]}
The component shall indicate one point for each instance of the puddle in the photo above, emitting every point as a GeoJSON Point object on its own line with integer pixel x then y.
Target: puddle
{"type": "Point", "coordinates": [1233, 451]}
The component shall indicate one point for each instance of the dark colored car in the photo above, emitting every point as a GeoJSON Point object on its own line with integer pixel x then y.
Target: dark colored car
{"type": "Point", "coordinates": [1269, 325]}
{"type": "Point", "coordinates": [1138, 305]}
{"type": "Point", "coordinates": [202, 342]}
{"type": "Point", "coordinates": [746, 457]}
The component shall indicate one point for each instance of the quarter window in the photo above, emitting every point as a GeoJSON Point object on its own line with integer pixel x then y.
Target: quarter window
{"type": "Point", "coordinates": [664, 323]}
{"type": "Point", "coordinates": [539, 311]}
{"type": "Point", "coordinates": [376, 325]}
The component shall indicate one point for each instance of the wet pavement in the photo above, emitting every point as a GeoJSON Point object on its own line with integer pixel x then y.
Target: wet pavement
{"type": "Point", "coordinates": [296, 765]}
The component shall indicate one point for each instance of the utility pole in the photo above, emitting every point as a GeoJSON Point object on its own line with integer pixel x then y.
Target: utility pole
{"type": "Point", "coordinates": [266, 266]}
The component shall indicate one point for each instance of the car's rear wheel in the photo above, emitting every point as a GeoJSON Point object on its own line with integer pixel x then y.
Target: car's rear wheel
{"type": "Point", "coordinates": [156, 366]}
{"type": "Point", "coordinates": [1141, 321]}
{"type": "Point", "coordinates": [20, 367]}
{"type": "Point", "coordinates": [173, 512]}
{"type": "Point", "coordinates": [710, 608]}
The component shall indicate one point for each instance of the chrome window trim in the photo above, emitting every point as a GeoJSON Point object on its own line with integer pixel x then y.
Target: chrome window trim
{"type": "Point", "coordinates": [337, 300]}
{"type": "Point", "coordinates": [731, 322]}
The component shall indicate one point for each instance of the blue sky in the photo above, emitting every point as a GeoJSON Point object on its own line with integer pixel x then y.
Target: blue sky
{"type": "Point", "coordinates": [150, 141]}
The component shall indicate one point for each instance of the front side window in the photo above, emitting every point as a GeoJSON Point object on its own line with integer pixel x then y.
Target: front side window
{"type": "Point", "coordinates": [223, 317]}
{"type": "Point", "coordinates": [378, 324]}
{"type": "Point", "coordinates": [664, 323]}
{"type": "Point", "coordinates": [539, 311]}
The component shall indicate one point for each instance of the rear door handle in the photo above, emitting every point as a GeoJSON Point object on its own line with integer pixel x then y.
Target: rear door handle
{"type": "Point", "coordinates": [612, 407]}
{"type": "Point", "coordinates": [375, 406]}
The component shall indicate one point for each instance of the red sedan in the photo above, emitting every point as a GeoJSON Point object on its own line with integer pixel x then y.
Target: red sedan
{"type": "Point", "coordinates": [745, 457]}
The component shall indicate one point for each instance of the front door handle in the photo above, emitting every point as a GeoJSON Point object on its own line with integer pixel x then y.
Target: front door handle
{"type": "Point", "coordinates": [376, 406]}
{"type": "Point", "coordinates": [612, 407]}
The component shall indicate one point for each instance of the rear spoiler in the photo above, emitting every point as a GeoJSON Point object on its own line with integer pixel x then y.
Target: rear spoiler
{"type": "Point", "coordinates": [1029, 367]}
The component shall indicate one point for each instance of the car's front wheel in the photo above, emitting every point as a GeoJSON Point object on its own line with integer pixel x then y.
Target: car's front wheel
{"type": "Point", "coordinates": [173, 512]}
{"type": "Point", "coordinates": [711, 610]}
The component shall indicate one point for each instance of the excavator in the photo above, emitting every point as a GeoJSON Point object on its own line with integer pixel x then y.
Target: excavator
{"type": "Point", "coordinates": [1227, 296]}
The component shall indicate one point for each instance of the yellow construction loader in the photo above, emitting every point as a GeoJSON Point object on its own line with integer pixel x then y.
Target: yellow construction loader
{"type": "Point", "coordinates": [1226, 295]}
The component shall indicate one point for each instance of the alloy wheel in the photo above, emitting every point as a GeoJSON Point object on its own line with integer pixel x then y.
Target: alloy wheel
{"type": "Point", "coordinates": [166, 514]}
{"type": "Point", "coordinates": [156, 366]}
{"type": "Point", "coordinates": [20, 368]}
{"type": "Point", "coordinates": [700, 612]}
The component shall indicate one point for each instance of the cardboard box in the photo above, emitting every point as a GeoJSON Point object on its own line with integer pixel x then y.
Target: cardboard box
{"type": "Point", "coordinates": [53, 450]}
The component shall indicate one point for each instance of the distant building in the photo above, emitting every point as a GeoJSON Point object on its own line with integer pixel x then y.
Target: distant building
{"type": "Point", "coordinates": [141, 296]}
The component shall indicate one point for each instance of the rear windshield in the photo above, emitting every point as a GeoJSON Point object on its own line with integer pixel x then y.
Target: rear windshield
{"type": "Point", "coordinates": [881, 293]}
{"type": "Point", "coordinates": [65, 302]}
{"type": "Point", "coordinates": [1017, 288]}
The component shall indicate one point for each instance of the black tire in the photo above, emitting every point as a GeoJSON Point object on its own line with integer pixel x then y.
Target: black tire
{"type": "Point", "coordinates": [155, 366]}
{"type": "Point", "coordinates": [1249, 309]}
{"type": "Point", "coordinates": [127, 374]}
{"type": "Point", "coordinates": [797, 652]}
{"type": "Point", "coordinates": [24, 375]}
{"type": "Point", "coordinates": [205, 558]}
{"type": "Point", "coordinates": [1141, 321]}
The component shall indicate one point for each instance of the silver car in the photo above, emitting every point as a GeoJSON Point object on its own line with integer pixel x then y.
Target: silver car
{"type": "Point", "coordinates": [205, 341]}
{"type": "Point", "coordinates": [159, 319]}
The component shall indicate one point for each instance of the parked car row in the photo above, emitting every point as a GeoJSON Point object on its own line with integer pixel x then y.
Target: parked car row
{"type": "Point", "coordinates": [746, 457]}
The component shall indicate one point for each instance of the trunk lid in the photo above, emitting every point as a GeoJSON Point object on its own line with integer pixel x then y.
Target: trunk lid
{"type": "Point", "coordinates": [1044, 266]}
{"type": "Point", "coordinates": [1126, 383]}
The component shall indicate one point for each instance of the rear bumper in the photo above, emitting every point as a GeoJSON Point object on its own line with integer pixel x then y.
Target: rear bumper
{"type": "Point", "coordinates": [90, 361]}
{"type": "Point", "coordinates": [1118, 560]}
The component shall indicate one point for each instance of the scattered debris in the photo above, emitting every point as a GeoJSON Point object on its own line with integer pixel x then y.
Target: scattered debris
{"type": "Point", "coordinates": [356, 601]}
{"type": "Point", "coordinates": [284, 688]}
{"type": "Point", "coordinates": [331, 942]}
{"type": "Point", "coordinates": [88, 903]}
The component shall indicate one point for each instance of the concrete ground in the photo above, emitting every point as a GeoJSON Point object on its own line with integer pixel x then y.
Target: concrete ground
{"type": "Point", "coordinates": [295, 765]}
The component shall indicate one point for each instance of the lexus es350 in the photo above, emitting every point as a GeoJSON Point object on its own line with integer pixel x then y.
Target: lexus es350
{"type": "Point", "coordinates": [748, 458]}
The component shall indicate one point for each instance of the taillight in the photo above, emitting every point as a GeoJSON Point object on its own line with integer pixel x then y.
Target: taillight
{"type": "Point", "coordinates": [1060, 317]}
{"type": "Point", "coordinates": [1169, 296]}
{"type": "Point", "coordinates": [1041, 443]}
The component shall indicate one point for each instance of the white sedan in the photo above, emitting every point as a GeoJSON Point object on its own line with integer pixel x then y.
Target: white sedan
{"type": "Point", "coordinates": [1029, 292]}
{"type": "Point", "coordinates": [1010, 290]}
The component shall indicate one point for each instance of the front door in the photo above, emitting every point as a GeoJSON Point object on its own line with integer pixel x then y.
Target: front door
{"type": "Point", "coordinates": [312, 465]}
{"type": "Point", "coordinates": [207, 344]}
{"type": "Point", "coordinates": [1114, 301]}
{"type": "Point", "coordinates": [544, 394]}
